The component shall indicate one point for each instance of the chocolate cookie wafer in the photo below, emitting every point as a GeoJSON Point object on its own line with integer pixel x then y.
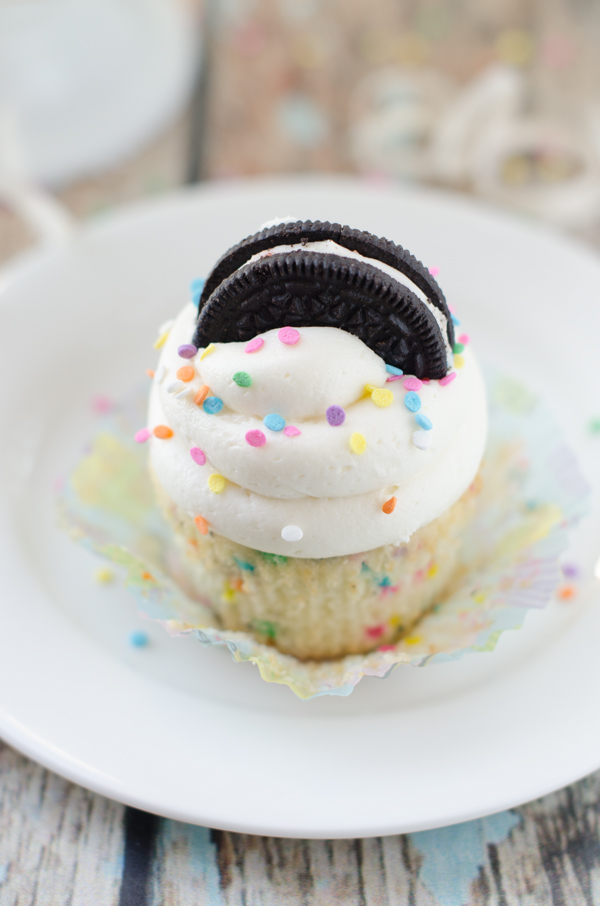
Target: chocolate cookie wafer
{"type": "Point", "coordinates": [303, 289]}
{"type": "Point", "coordinates": [365, 244]}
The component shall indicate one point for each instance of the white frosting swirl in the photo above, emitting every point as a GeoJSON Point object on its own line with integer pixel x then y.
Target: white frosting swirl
{"type": "Point", "coordinates": [313, 481]}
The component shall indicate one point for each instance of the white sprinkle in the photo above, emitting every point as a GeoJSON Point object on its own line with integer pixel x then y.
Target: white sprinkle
{"type": "Point", "coordinates": [184, 393]}
{"type": "Point", "coordinates": [175, 386]}
{"type": "Point", "coordinates": [291, 533]}
{"type": "Point", "coordinates": [166, 326]}
{"type": "Point", "coordinates": [160, 373]}
{"type": "Point", "coordinates": [422, 439]}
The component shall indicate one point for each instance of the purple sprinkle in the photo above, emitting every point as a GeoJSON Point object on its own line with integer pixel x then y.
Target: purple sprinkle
{"type": "Point", "coordinates": [187, 351]}
{"type": "Point", "coordinates": [571, 570]}
{"type": "Point", "coordinates": [335, 416]}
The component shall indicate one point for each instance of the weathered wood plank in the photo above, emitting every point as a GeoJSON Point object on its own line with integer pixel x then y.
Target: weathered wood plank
{"type": "Point", "coordinates": [63, 846]}
{"type": "Point", "coordinates": [59, 843]}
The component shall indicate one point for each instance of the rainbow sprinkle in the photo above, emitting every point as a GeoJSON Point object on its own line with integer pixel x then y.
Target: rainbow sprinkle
{"type": "Point", "coordinates": [198, 455]}
{"type": "Point", "coordinates": [448, 379]}
{"type": "Point", "coordinates": [335, 416]}
{"type": "Point", "coordinates": [255, 438]}
{"type": "Point", "coordinates": [212, 405]}
{"type": "Point", "coordinates": [291, 431]}
{"type": "Point", "coordinates": [358, 443]}
{"type": "Point", "coordinates": [412, 383]}
{"type": "Point", "coordinates": [254, 345]}
{"type": "Point", "coordinates": [412, 401]}
{"type": "Point", "coordinates": [142, 436]}
{"type": "Point", "coordinates": [274, 422]}
{"type": "Point", "coordinates": [187, 351]}
{"type": "Point", "coordinates": [288, 335]}
{"type": "Point", "coordinates": [423, 421]}
{"type": "Point", "coordinates": [242, 379]}
{"type": "Point", "coordinates": [216, 483]}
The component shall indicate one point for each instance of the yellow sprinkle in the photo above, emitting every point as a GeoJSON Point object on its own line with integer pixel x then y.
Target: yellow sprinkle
{"type": "Point", "coordinates": [459, 362]}
{"type": "Point", "coordinates": [413, 640]}
{"type": "Point", "coordinates": [162, 339]}
{"type": "Point", "coordinates": [394, 621]}
{"type": "Point", "coordinates": [216, 483]}
{"type": "Point", "coordinates": [210, 348]}
{"type": "Point", "coordinates": [382, 398]}
{"type": "Point", "coordinates": [514, 46]}
{"type": "Point", "coordinates": [370, 388]}
{"type": "Point", "coordinates": [104, 575]}
{"type": "Point", "coordinates": [358, 443]}
{"type": "Point", "coordinates": [479, 599]}
{"type": "Point", "coordinates": [432, 571]}
{"type": "Point", "coordinates": [228, 592]}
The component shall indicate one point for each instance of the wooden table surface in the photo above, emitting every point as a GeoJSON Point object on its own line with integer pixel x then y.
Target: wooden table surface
{"type": "Point", "coordinates": [61, 845]}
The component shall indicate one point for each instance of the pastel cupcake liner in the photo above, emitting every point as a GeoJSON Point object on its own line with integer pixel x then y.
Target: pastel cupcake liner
{"type": "Point", "coordinates": [533, 494]}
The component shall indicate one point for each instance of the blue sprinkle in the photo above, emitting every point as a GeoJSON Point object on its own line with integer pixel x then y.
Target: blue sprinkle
{"type": "Point", "coordinates": [274, 422]}
{"type": "Point", "coordinates": [412, 401]}
{"type": "Point", "coordinates": [243, 564]}
{"type": "Point", "coordinates": [196, 287]}
{"type": "Point", "coordinates": [139, 639]}
{"type": "Point", "coordinates": [393, 370]}
{"type": "Point", "coordinates": [212, 405]}
{"type": "Point", "coordinates": [455, 320]}
{"type": "Point", "coordinates": [423, 421]}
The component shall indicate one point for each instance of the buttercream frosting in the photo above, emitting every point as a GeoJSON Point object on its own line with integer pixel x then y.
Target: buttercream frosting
{"type": "Point", "coordinates": [313, 480]}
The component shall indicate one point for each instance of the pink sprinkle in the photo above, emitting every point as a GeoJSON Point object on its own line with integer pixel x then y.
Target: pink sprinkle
{"type": "Point", "coordinates": [289, 336]}
{"type": "Point", "coordinates": [101, 404]}
{"type": "Point", "coordinates": [291, 431]}
{"type": "Point", "coordinates": [254, 345]}
{"type": "Point", "coordinates": [434, 271]}
{"type": "Point", "coordinates": [464, 338]}
{"type": "Point", "coordinates": [256, 438]}
{"type": "Point", "coordinates": [198, 455]}
{"type": "Point", "coordinates": [448, 379]}
{"type": "Point", "coordinates": [393, 377]}
{"type": "Point", "coordinates": [413, 383]}
{"type": "Point", "coordinates": [375, 631]}
{"type": "Point", "coordinates": [142, 436]}
{"type": "Point", "coordinates": [386, 648]}
{"type": "Point", "coordinates": [452, 309]}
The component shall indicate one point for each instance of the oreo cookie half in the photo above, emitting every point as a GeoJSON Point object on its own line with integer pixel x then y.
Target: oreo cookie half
{"type": "Point", "coordinates": [304, 289]}
{"type": "Point", "coordinates": [242, 298]}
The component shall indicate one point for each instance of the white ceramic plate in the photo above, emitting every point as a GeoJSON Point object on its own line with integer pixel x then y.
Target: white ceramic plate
{"type": "Point", "coordinates": [186, 732]}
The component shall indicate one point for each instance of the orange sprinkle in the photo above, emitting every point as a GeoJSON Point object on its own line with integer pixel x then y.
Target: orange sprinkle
{"type": "Point", "coordinates": [390, 505]}
{"type": "Point", "coordinates": [186, 373]}
{"type": "Point", "coordinates": [566, 592]}
{"type": "Point", "coordinates": [163, 432]}
{"type": "Point", "coordinates": [202, 394]}
{"type": "Point", "coordinates": [149, 372]}
{"type": "Point", "coordinates": [201, 525]}
{"type": "Point", "coordinates": [237, 584]}
{"type": "Point", "coordinates": [148, 577]}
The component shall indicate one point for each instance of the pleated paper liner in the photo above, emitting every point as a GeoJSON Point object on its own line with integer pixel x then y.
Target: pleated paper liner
{"type": "Point", "coordinates": [532, 493]}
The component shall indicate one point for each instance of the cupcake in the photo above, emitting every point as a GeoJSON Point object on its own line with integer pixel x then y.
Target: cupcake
{"type": "Point", "coordinates": [317, 432]}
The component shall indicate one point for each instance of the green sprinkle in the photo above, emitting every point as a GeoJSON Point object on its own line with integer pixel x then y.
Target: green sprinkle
{"type": "Point", "coordinates": [265, 627]}
{"type": "Point", "coordinates": [594, 426]}
{"type": "Point", "coordinates": [242, 378]}
{"type": "Point", "coordinates": [274, 559]}
{"type": "Point", "coordinates": [243, 564]}
{"type": "Point", "coordinates": [385, 582]}
{"type": "Point", "coordinates": [458, 348]}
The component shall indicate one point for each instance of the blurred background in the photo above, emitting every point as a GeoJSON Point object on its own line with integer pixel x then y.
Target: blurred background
{"type": "Point", "coordinates": [105, 101]}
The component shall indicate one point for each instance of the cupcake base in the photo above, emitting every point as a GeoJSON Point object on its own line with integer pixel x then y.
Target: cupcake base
{"type": "Point", "coordinates": [325, 608]}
